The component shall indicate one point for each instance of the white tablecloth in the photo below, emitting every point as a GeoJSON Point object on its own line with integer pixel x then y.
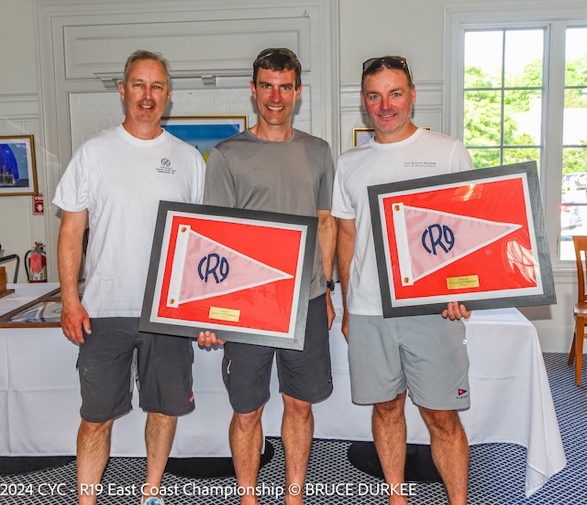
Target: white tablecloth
{"type": "Point", "coordinates": [510, 396]}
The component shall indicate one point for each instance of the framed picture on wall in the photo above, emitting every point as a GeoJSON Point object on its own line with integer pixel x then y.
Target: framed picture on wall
{"type": "Point", "coordinates": [224, 270]}
{"type": "Point", "coordinates": [361, 135]}
{"type": "Point", "coordinates": [204, 132]}
{"type": "Point", "coordinates": [18, 170]}
{"type": "Point", "coordinates": [476, 237]}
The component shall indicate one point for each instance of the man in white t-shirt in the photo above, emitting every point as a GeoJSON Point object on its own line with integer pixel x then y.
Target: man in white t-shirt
{"type": "Point", "coordinates": [114, 183]}
{"type": "Point", "coordinates": [425, 355]}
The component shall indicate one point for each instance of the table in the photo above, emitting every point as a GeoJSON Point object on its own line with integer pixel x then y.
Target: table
{"type": "Point", "coordinates": [24, 293]}
{"type": "Point", "coordinates": [511, 399]}
{"type": "Point", "coordinates": [40, 400]}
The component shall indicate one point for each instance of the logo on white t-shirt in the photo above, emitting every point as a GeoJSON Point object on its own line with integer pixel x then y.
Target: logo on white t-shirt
{"type": "Point", "coordinates": [166, 167]}
{"type": "Point", "coordinates": [420, 164]}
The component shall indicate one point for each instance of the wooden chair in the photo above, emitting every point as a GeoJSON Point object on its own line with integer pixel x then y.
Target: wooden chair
{"type": "Point", "coordinates": [580, 309]}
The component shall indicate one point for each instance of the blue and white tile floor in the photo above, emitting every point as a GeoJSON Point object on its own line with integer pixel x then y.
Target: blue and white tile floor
{"type": "Point", "coordinates": [496, 471]}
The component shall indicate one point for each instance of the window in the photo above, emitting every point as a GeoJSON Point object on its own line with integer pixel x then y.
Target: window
{"type": "Point", "coordinates": [520, 94]}
{"type": "Point", "coordinates": [574, 144]}
{"type": "Point", "coordinates": [503, 96]}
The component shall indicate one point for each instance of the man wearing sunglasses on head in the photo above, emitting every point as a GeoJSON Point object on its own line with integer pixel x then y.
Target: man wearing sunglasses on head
{"type": "Point", "coordinates": [274, 167]}
{"type": "Point", "coordinates": [426, 354]}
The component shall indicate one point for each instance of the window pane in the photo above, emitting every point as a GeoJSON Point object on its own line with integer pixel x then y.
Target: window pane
{"type": "Point", "coordinates": [523, 117]}
{"type": "Point", "coordinates": [503, 95]}
{"type": "Point", "coordinates": [574, 160]}
{"type": "Point", "coordinates": [576, 97]}
{"type": "Point", "coordinates": [575, 114]}
{"type": "Point", "coordinates": [521, 155]}
{"type": "Point", "coordinates": [523, 58]}
{"type": "Point", "coordinates": [575, 57]}
{"type": "Point", "coordinates": [573, 221]}
{"type": "Point", "coordinates": [485, 158]}
{"type": "Point", "coordinates": [482, 118]}
{"type": "Point", "coordinates": [573, 209]}
{"type": "Point", "coordinates": [483, 59]}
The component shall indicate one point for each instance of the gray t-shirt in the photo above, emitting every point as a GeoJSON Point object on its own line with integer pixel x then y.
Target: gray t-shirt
{"type": "Point", "coordinates": [291, 177]}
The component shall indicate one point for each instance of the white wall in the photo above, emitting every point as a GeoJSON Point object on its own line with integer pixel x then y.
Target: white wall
{"type": "Point", "coordinates": [19, 114]}
{"type": "Point", "coordinates": [411, 28]}
{"type": "Point", "coordinates": [18, 56]}
{"type": "Point", "coordinates": [366, 28]}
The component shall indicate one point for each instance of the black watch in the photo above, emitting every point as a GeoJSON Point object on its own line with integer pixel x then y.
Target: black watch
{"type": "Point", "coordinates": [330, 285]}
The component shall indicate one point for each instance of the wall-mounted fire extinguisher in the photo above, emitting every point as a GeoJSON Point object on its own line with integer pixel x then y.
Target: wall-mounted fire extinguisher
{"type": "Point", "coordinates": [35, 264]}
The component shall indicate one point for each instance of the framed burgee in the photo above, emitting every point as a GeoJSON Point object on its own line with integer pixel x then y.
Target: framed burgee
{"type": "Point", "coordinates": [476, 237]}
{"type": "Point", "coordinates": [243, 274]}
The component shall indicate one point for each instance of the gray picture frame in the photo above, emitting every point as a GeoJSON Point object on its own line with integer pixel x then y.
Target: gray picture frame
{"type": "Point", "coordinates": [229, 313]}
{"type": "Point", "coordinates": [396, 301]}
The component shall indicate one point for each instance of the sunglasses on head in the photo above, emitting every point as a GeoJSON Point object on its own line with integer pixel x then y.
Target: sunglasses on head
{"type": "Point", "coordinates": [276, 50]}
{"type": "Point", "coordinates": [371, 65]}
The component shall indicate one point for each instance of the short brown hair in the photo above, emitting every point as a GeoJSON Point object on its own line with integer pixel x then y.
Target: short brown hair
{"type": "Point", "coordinates": [278, 59]}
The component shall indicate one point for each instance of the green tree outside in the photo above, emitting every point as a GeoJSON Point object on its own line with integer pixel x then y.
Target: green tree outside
{"type": "Point", "coordinates": [486, 100]}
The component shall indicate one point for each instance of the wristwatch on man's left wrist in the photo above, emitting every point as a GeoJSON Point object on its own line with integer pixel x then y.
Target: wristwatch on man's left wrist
{"type": "Point", "coordinates": [330, 285]}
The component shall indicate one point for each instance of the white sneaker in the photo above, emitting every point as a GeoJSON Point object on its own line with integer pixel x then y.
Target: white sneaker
{"type": "Point", "coordinates": [153, 501]}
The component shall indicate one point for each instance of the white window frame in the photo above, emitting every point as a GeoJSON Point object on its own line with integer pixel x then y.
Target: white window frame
{"type": "Point", "coordinates": [554, 18]}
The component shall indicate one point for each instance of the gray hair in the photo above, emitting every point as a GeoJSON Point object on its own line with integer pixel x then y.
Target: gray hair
{"type": "Point", "coordinates": [142, 54]}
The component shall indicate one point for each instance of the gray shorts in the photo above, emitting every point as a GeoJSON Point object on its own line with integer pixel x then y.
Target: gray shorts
{"type": "Point", "coordinates": [304, 375]}
{"type": "Point", "coordinates": [427, 355]}
{"type": "Point", "coordinates": [107, 371]}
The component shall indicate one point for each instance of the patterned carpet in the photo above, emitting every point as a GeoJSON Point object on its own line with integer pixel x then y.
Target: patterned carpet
{"type": "Point", "coordinates": [496, 471]}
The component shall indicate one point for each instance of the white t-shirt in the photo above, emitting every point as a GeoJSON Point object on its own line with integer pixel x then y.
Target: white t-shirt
{"type": "Point", "coordinates": [423, 154]}
{"type": "Point", "coordinates": [120, 180]}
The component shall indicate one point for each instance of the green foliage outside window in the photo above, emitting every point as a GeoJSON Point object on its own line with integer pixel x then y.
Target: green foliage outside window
{"type": "Point", "coordinates": [492, 141]}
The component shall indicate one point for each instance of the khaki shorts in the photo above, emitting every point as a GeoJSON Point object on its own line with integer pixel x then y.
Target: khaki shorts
{"type": "Point", "coordinates": [427, 355]}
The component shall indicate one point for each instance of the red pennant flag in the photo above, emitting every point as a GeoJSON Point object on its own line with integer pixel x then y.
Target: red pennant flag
{"type": "Point", "coordinates": [203, 268]}
{"type": "Point", "coordinates": [429, 240]}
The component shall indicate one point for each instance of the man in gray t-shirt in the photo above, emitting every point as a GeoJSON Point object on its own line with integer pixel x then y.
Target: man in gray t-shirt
{"type": "Point", "coordinates": [273, 167]}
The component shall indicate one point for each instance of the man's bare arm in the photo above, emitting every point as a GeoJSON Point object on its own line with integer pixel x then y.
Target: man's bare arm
{"type": "Point", "coordinates": [327, 240]}
{"type": "Point", "coordinates": [344, 254]}
{"type": "Point", "coordinates": [69, 257]}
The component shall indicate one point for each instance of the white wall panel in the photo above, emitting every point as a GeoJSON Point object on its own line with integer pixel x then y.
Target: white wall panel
{"type": "Point", "coordinates": [85, 44]}
{"type": "Point", "coordinates": [207, 47]}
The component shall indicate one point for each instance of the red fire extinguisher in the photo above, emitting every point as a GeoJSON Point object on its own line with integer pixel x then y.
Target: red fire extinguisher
{"type": "Point", "coordinates": [35, 264]}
